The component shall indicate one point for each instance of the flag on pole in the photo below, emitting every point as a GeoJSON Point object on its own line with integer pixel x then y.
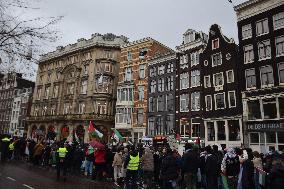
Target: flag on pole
{"type": "Point", "coordinates": [91, 127]}
{"type": "Point", "coordinates": [117, 136]}
{"type": "Point", "coordinates": [94, 131]}
{"type": "Point", "coordinates": [76, 137]}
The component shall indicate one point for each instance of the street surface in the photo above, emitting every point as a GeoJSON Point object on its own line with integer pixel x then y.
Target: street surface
{"type": "Point", "coordinates": [20, 175]}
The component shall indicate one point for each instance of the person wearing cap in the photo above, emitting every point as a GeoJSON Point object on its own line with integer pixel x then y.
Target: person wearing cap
{"type": "Point", "coordinates": [61, 161]}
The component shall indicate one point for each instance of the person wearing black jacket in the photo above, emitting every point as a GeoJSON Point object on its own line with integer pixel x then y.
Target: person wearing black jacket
{"type": "Point", "coordinates": [131, 165]}
{"type": "Point", "coordinates": [190, 165]}
{"type": "Point", "coordinates": [212, 169]}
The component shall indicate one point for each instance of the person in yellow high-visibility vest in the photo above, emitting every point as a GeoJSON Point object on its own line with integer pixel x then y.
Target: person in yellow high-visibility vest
{"type": "Point", "coordinates": [4, 148]}
{"type": "Point", "coordinates": [132, 165]}
{"type": "Point", "coordinates": [61, 161]}
{"type": "Point", "coordinates": [11, 150]}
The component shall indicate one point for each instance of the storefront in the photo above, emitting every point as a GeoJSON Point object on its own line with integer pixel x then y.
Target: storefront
{"type": "Point", "coordinates": [266, 134]}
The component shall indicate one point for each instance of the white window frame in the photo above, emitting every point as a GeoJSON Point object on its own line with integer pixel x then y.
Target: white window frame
{"type": "Point", "coordinates": [194, 80]}
{"type": "Point", "coordinates": [280, 83]}
{"type": "Point", "coordinates": [128, 74]}
{"type": "Point", "coordinates": [250, 88]}
{"type": "Point", "coordinates": [214, 79]}
{"type": "Point", "coordinates": [81, 108]}
{"type": "Point", "coordinates": [269, 85]}
{"type": "Point", "coordinates": [256, 31]}
{"type": "Point", "coordinates": [246, 28]}
{"type": "Point", "coordinates": [216, 103]}
{"type": "Point", "coordinates": [187, 108]}
{"type": "Point", "coordinates": [217, 39]}
{"type": "Point", "coordinates": [184, 61]}
{"type": "Point", "coordinates": [184, 76]}
{"type": "Point", "coordinates": [213, 59]}
{"type": "Point", "coordinates": [278, 55]}
{"type": "Point", "coordinates": [142, 71]}
{"type": "Point", "coordinates": [233, 77]}
{"type": "Point", "coordinates": [250, 61]}
{"type": "Point", "coordinates": [267, 57]}
{"type": "Point", "coordinates": [274, 20]}
{"type": "Point", "coordinates": [206, 105]}
{"type": "Point", "coordinates": [209, 79]}
{"type": "Point", "coordinates": [193, 99]}
{"type": "Point", "coordinates": [230, 105]}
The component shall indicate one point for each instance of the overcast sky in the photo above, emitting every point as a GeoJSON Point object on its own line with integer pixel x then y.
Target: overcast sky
{"type": "Point", "coordinates": [163, 20]}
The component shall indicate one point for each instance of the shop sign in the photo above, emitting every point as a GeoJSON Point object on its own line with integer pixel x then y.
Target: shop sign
{"type": "Point", "coordinates": [265, 126]}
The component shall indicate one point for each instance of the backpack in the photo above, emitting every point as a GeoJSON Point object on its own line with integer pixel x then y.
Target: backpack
{"type": "Point", "coordinates": [232, 166]}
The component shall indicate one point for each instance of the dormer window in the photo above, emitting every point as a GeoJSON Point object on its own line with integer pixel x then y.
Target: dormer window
{"type": "Point", "coordinates": [189, 37]}
{"type": "Point", "coordinates": [215, 43]}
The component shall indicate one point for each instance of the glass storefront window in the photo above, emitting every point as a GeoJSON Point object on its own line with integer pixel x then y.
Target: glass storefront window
{"type": "Point", "coordinates": [234, 130]}
{"type": "Point", "coordinates": [210, 131]}
{"type": "Point", "coordinates": [254, 110]}
{"type": "Point", "coordinates": [280, 136]}
{"type": "Point", "coordinates": [269, 108]}
{"type": "Point", "coordinates": [270, 137]}
{"type": "Point", "coordinates": [254, 138]}
{"type": "Point", "coordinates": [221, 130]}
{"type": "Point", "coordinates": [281, 106]}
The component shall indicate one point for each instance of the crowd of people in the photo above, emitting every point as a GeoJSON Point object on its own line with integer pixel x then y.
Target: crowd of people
{"type": "Point", "coordinates": [137, 166]}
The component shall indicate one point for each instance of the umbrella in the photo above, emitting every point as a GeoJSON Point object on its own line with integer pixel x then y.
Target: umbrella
{"type": "Point", "coordinates": [96, 144]}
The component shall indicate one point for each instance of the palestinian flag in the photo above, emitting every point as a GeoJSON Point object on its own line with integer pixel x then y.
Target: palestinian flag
{"type": "Point", "coordinates": [94, 132]}
{"type": "Point", "coordinates": [117, 136]}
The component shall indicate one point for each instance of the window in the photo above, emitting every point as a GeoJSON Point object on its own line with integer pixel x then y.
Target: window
{"type": "Point", "coordinates": [194, 58]}
{"type": "Point", "coordinates": [254, 138]}
{"type": "Point", "coordinates": [161, 84]}
{"type": "Point", "coordinates": [267, 79]}
{"type": "Point", "coordinates": [141, 71]}
{"type": "Point", "coordinates": [216, 59]}
{"type": "Point", "coordinates": [159, 125]}
{"type": "Point", "coordinates": [128, 74]}
{"type": "Point", "coordinates": [84, 87]}
{"type": "Point", "coordinates": [269, 108]}
{"type": "Point", "coordinates": [183, 61]}
{"type": "Point", "coordinates": [81, 108]}
{"type": "Point", "coordinates": [170, 83]}
{"type": "Point", "coordinates": [107, 54]}
{"type": "Point", "coordinates": [38, 93]}
{"type": "Point", "coordinates": [161, 103]}
{"type": "Point", "coordinates": [230, 76]}
{"type": "Point", "coordinates": [143, 54]}
{"type": "Point", "coordinates": [253, 110]}
{"type": "Point", "coordinates": [281, 106]}
{"type": "Point", "coordinates": [161, 70]}
{"type": "Point", "coordinates": [246, 31]}
{"type": "Point", "coordinates": [210, 131]}
{"type": "Point", "coordinates": [219, 101]}
{"type": "Point", "coordinates": [153, 86]}
{"type": "Point", "coordinates": [151, 126]}
{"type": "Point", "coordinates": [170, 102]}
{"type": "Point", "coordinates": [218, 79]}
{"type": "Point", "coordinates": [170, 68]}
{"type": "Point", "coordinates": [207, 82]}
{"type": "Point", "coordinates": [123, 115]}
{"type": "Point", "coordinates": [208, 102]}
{"type": "Point", "coordinates": [248, 54]}
{"type": "Point", "coordinates": [141, 93]}
{"type": "Point", "coordinates": [250, 78]}
{"type": "Point", "coordinates": [264, 50]}
{"type": "Point", "coordinates": [101, 108]}
{"type": "Point", "coordinates": [46, 94]}
{"type": "Point", "coordinates": [151, 104]}
{"type": "Point", "coordinates": [195, 127]}
{"type": "Point", "coordinates": [195, 78]}
{"type": "Point", "coordinates": [124, 94]}
{"type": "Point", "coordinates": [279, 43]}
{"type": "Point", "coordinates": [140, 116]}
{"type": "Point", "coordinates": [262, 27]}
{"type": "Point", "coordinates": [195, 101]}
{"type": "Point", "coordinates": [221, 134]}
{"type": "Point", "coordinates": [129, 56]}
{"type": "Point", "coordinates": [184, 81]}
{"type": "Point", "coordinates": [85, 69]}
{"type": "Point", "coordinates": [48, 77]}
{"type": "Point", "coordinates": [234, 130]}
{"type": "Point", "coordinates": [281, 73]}
{"type": "Point", "coordinates": [278, 20]}
{"type": "Point", "coordinates": [232, 99]}
{"type": "Point", "coordinates": [70, 88]}
{"type": "Point", "coordinates": [169, 124]}
{"type": "Point", "coordinates": [67, 108]}
{"type": "Point", "coordinates": [215, 44]}
{"type": "Point", "coordinates": [153, 72]}
{"type": "Point", "coordinates": [184, 101]}
{"type": "Point", "coordinates": [52, 109]}
{"type": "Point", "coordinates": [55, 91]}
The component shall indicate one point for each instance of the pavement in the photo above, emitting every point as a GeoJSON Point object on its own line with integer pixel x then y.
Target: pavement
{"type": "Point", "coordinates": [21, 175]}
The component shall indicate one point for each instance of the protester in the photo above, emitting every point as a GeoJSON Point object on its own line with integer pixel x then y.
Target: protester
{"type": "Point", "coordinates": [61, 161]}
{"type": "Point", "coordinates": [257, 162]}
{"type": "Point", "coordinates": [131, 165]}
{"type": "Point", "coordinates": [212, 169]}
{"type": "Point", "coordinates": [89, 161]}
{"type": "Point", "coordinates": [147, 162]}
{"type": "Point", "coordinates": [117, 165]}
{"type": "Point", "coordinates": [276, 174]}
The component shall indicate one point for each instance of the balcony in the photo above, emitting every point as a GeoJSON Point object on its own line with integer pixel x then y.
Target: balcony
{"type": "Point", "coordinates": [123, 126]}
{"type": "Point", "coordinates": [125, 103]}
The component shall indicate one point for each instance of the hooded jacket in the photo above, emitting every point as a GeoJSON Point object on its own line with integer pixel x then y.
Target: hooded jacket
{"type": "Point", "coordinates": [147, 160]}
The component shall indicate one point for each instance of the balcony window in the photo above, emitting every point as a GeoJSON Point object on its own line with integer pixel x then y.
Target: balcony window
{"type": "Point", "coordinates": [254, 110]}
{"type": "Point", "coordinates": [207, 82]}
{"type": "Point", "coordinates": [262, 27]}
{"type": "Point", "coordinates": [230, 76]}
{"type": "Point", "coordinates": [184, 81]}
{"type": "Point", "coordinates": [161, 103]}
{"type": "Point", "coordinates": [170, 102]}
{"type": "Point", "coordinates": [232, 99]}
{"type": "Point", "coordinates": [103, 84]}
{"type": "Point", "coordinates": [208, 102]}
{"type": "Point", "coordinates": [264, 50]}
{"type": "Point", "coordinates": [267, 79]}
{"type": "Point", "coordinates": [221, 134]}
{"type": "Point", "coordinates": [123, 115]}
{"type": "Point", "coordinates": [195, 101]}
{"type": "Point", "coordinates": [248, 54]}
{"type": "Point", "coordinates": [84, 87]}
{"type": "Point", "coordinates": [195, 78]}
{"type": "Point", "coordinates": [246, 31]}
{"type": "Point", "coordinates": [161, 84]}
{"type": "Point", "coordinates": [153, 86]}
{"type": "Point", "coordinates": [216, 59]}
{"type": "Point", "coordinates": [279, 43]}
{"type": "Point", "coordinates": [219, 101]}
{"type": "Point", "coordinates": [234, 130]}
{"type": "Point", "coordinates": [128, 74]}
{"type": "Point", "coordinates": [210, 131]}
{"type": "Point", "coordinates": [140, 116]}
{"type": "Point", "coordinates": [184, 102]}
{"type": "Point", "coordinates": [250, 78]}
{"type": "Point", "coordinates": [124, 94]}
{"type": "Point", "coordinates": [269, 108]}
{"type": "Point", "coordinates": [141, 93]}
{"type": "Point", "coordinates": [278, 20]}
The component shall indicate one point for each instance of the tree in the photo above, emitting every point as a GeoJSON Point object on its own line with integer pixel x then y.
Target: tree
{"type": "Point", "coordinates": [23, 35]}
